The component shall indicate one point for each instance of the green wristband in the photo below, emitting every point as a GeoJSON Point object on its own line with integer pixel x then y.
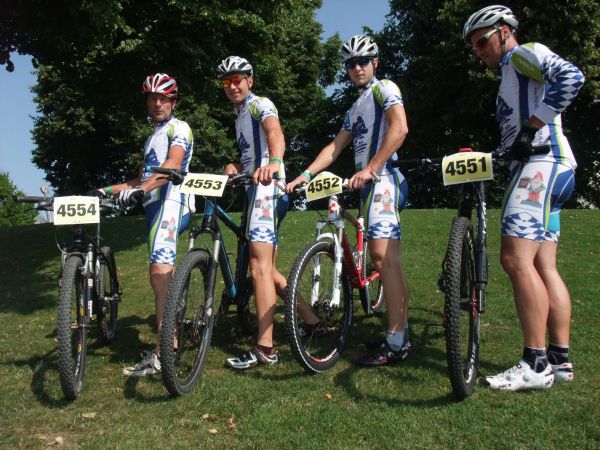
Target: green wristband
{"type": "Point", "coordinates": [277, 160]}
{"type": "Point", "coordinates": [307, 174]}
{"type": "Point", "coordinates": [107, 189]}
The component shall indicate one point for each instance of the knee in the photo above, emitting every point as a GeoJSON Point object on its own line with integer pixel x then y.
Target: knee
{"type": "Point", "coordinates": [511, 263]}
{"type": "Point", "coordinates": [259, 269]}
{"type": "Point", "coordinates": [160, 274]}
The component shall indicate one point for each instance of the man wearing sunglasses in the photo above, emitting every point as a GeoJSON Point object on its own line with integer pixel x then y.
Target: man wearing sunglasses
{"type": "Point", "coordinates": [376, 126]}
{"type": "Point", "coordinates": [261, 144]}
{"type": "Point", "coordinates": [536, 86]}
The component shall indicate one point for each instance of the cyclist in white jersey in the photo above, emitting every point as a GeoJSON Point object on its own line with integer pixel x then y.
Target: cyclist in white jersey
{"type": "Point", "coordinates": [537, 85]}
{"type": "Point", "coordinates": [376, 126]}
{"type": "Point", "coordinates": [166, 209]}
{"type": "Point", "coordinates": [262, 145]}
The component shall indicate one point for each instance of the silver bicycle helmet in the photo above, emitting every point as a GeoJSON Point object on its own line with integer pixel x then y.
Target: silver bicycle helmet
{"type": "Point", "coordinates": [358, 46]}
{"type": "Point", "coordinates": [488, 17]}
{"type": "Point", "coordinates": [234, 65]}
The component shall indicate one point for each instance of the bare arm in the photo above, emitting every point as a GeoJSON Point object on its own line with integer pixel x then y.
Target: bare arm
{"type": "Point", "coordinates": [173, 161]}
{"type": "Point", "coordinates": [276, 144]}
{"type": "Point", "coordinates": [325, 158]}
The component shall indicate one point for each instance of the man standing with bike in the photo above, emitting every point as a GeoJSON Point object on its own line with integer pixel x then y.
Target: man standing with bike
{"type": "Point", "coordinates": [536, 86]}
{"type": "Point", "coordinates": [376, 125]}
{"type": "Point", "coordinates": [261, 144]}
{"type": "Point", "coordinates": [166, 208]}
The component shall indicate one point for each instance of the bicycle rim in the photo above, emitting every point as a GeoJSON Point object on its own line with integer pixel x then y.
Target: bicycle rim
{"type": "Point", "coordinates": [71, 329]}
{"type": "Point", "coordinates": [461, 316]}
{"type": "Point", "coordinates": [187, 325]}
{"type": "Point", "coordinates": [311, 284]}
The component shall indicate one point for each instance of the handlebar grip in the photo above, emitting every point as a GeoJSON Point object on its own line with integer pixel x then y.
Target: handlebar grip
{"type": "Point", "coordinates": [31, 199]}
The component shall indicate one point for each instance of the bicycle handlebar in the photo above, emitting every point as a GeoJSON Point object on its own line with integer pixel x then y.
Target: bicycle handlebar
{"type": "Point", "coordinates": [47, 203]}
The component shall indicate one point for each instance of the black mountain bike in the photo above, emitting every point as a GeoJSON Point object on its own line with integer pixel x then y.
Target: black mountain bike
{"type": "Point", "coordinates": [89, 286]}
{"type": "Point", "coordinates": [464, 274]}
{"type": "Point", "coordinates": [190, 307]}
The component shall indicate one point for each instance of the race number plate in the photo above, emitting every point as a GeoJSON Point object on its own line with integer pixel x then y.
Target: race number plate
{"type": "Point", "coordinates": [466, 167]}
{"type": "Point", "coordinates": [206, 184]}
{"type": "Point", "coordinates": [323, 185]}
{"type": "Point", "coordinates": [76, 210]}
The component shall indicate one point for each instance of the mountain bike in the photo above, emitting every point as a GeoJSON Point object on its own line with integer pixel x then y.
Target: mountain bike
{"type": "Point", "coordinates": [88, 287]}
{"type": "Point", "coordinates": [323, 276]}
{"type": "Point", "coordinates": [190, 306]}
{"type": "Point", "coordinates": [464, 275]}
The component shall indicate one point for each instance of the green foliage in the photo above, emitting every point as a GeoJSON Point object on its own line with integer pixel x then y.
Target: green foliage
{"type": "Point", "coordinates": [11, 212]}
{"type": "Point", "coordinates": [449, 95]}
{"type": "Point", "coordinates": [91, 58]}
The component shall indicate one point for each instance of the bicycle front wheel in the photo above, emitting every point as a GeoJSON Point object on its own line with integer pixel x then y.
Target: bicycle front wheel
{"type": "Point", "coordinates": [71, 328]}
{"type": "Point", "coordinates": [311, 286]}
{"type": "Point", "coordinates": [371, 296]}
{"type": "Point", "coordinates": [461, 314]}
{"type": "Point", "coordinates": [187, 324]}
{"type": "Point", "coordinates": [107, 289]}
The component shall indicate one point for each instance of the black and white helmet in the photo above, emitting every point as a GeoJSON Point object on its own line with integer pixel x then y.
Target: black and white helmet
{"type": "Point", "coordinates": [358, 46]}
{"type": "Point", "coordinates": [488, 17]}
{"type": "Point", "coordinates": [234, 65]}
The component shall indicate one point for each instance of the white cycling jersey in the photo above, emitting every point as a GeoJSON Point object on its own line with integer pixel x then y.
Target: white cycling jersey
{"type": "Point", "coordinates": [367, 123]}
{"type": "Point", "coordinates": [536, 81]}
{"type": "Point", "coordinates": [251, 137]}
{"type": "Point", "coordinates": [166, 134]}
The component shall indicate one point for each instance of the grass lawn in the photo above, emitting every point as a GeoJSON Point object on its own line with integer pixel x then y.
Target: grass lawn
{"type": "Point", "coordinates": [408, 405]}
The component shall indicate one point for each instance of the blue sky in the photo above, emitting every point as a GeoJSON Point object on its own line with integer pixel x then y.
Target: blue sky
{"type": "Point", "coordinates": [344, 16]}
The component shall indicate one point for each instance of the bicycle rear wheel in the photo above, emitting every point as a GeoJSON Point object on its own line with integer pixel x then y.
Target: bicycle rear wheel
{"type": "Point", "coordinates": [311, 283]}
{"type": "Point", "coordinates": [71, 328]}
{"type": "Point", "coordinates": [107, 289]}
{"type": "Point", "coordinates": [187, 324]}
{"type": "Point", "coordinates": [461, 315]}
{"type": "Point", "coordinates": [371, 297]}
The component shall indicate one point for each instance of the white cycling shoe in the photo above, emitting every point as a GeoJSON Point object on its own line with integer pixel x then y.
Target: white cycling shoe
{"type": "Point", "coordinates": [520, 378]}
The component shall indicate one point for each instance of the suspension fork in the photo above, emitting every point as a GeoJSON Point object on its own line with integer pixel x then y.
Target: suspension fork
{"type": "Point", "coordinates": [481, 253]}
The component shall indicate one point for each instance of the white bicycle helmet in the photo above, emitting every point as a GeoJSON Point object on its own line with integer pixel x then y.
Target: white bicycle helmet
{"type": "Point", "coordinates": [234, 65]}
{"type": "Point", "coordinates": [160, 83]}
{"type": "Point", "coordinates": [358, 46]}
{"type": "Point", "coordinates": [488, 17]}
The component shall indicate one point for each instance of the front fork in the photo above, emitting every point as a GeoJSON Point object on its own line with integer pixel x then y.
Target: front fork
{"type": "Point", "coordinates": [338, 257]}
{"type": "Point", "coordinates": [481, 253]}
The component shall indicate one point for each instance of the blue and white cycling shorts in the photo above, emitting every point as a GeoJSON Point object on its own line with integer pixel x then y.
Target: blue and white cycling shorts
{"type": "Point", "coordinates": [382, 203]}
{"type": "Point", "coordinates": [165, 220]}
{"type": "Point", "coordinates": [536, 192]}
{"type": "Point", "coordinates": [267, 206]}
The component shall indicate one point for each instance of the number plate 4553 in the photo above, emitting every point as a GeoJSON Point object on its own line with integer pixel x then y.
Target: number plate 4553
{"type": "Point", "coordinates": [467, 167]}
{"type": "Point", "coordinates": [209, 185]}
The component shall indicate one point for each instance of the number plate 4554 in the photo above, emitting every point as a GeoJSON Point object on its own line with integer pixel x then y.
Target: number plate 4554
{"type": "Point", "coordinates": [467, 167]}
{"type": "Point", "coordinates": [75, 210]}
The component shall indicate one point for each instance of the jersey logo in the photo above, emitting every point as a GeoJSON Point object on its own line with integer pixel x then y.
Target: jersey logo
{"type": "Point", "coordinates": [151, 159]}
{"type": "Point", "coordinates": [242, 143]}
{"type": "Point", "coordinates": [503, 115]}
{"type": "Point", "coordinates": [359, 128]}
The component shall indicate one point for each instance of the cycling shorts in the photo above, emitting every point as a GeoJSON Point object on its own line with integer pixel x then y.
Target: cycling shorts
{"type": "Point", "coordinates": [382, 203]}
{"type": "Point", "coordinates": [164, 222]}
{"type": "Point", "coordinates": [536, 192]}
{"type": "Point", "coordinates": [267, 206]}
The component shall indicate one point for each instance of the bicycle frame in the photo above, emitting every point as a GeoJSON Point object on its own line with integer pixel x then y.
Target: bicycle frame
{"type": "Point", "coordinates": [210, 225]}
{"type": "Point", "coordinates": [337, 215]}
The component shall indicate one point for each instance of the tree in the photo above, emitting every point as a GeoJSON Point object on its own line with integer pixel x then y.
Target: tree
{"type": "Point", "coordinates": [449, 96]}
{"type": "Point", "coordinates": [92, 56]}
{"type": "Point", "coordinates": [11, 212]}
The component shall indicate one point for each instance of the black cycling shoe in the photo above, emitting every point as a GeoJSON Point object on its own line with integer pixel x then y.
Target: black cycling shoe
{"type": "Point", "coordinates": [383, 355]}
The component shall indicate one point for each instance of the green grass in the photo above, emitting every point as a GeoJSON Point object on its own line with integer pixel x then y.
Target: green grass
{"type": "Point", "coordinates": [409, 405]}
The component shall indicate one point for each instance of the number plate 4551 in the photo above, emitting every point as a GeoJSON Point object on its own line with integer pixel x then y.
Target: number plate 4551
{"type": "Point", "coordinates": [467, 167]}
